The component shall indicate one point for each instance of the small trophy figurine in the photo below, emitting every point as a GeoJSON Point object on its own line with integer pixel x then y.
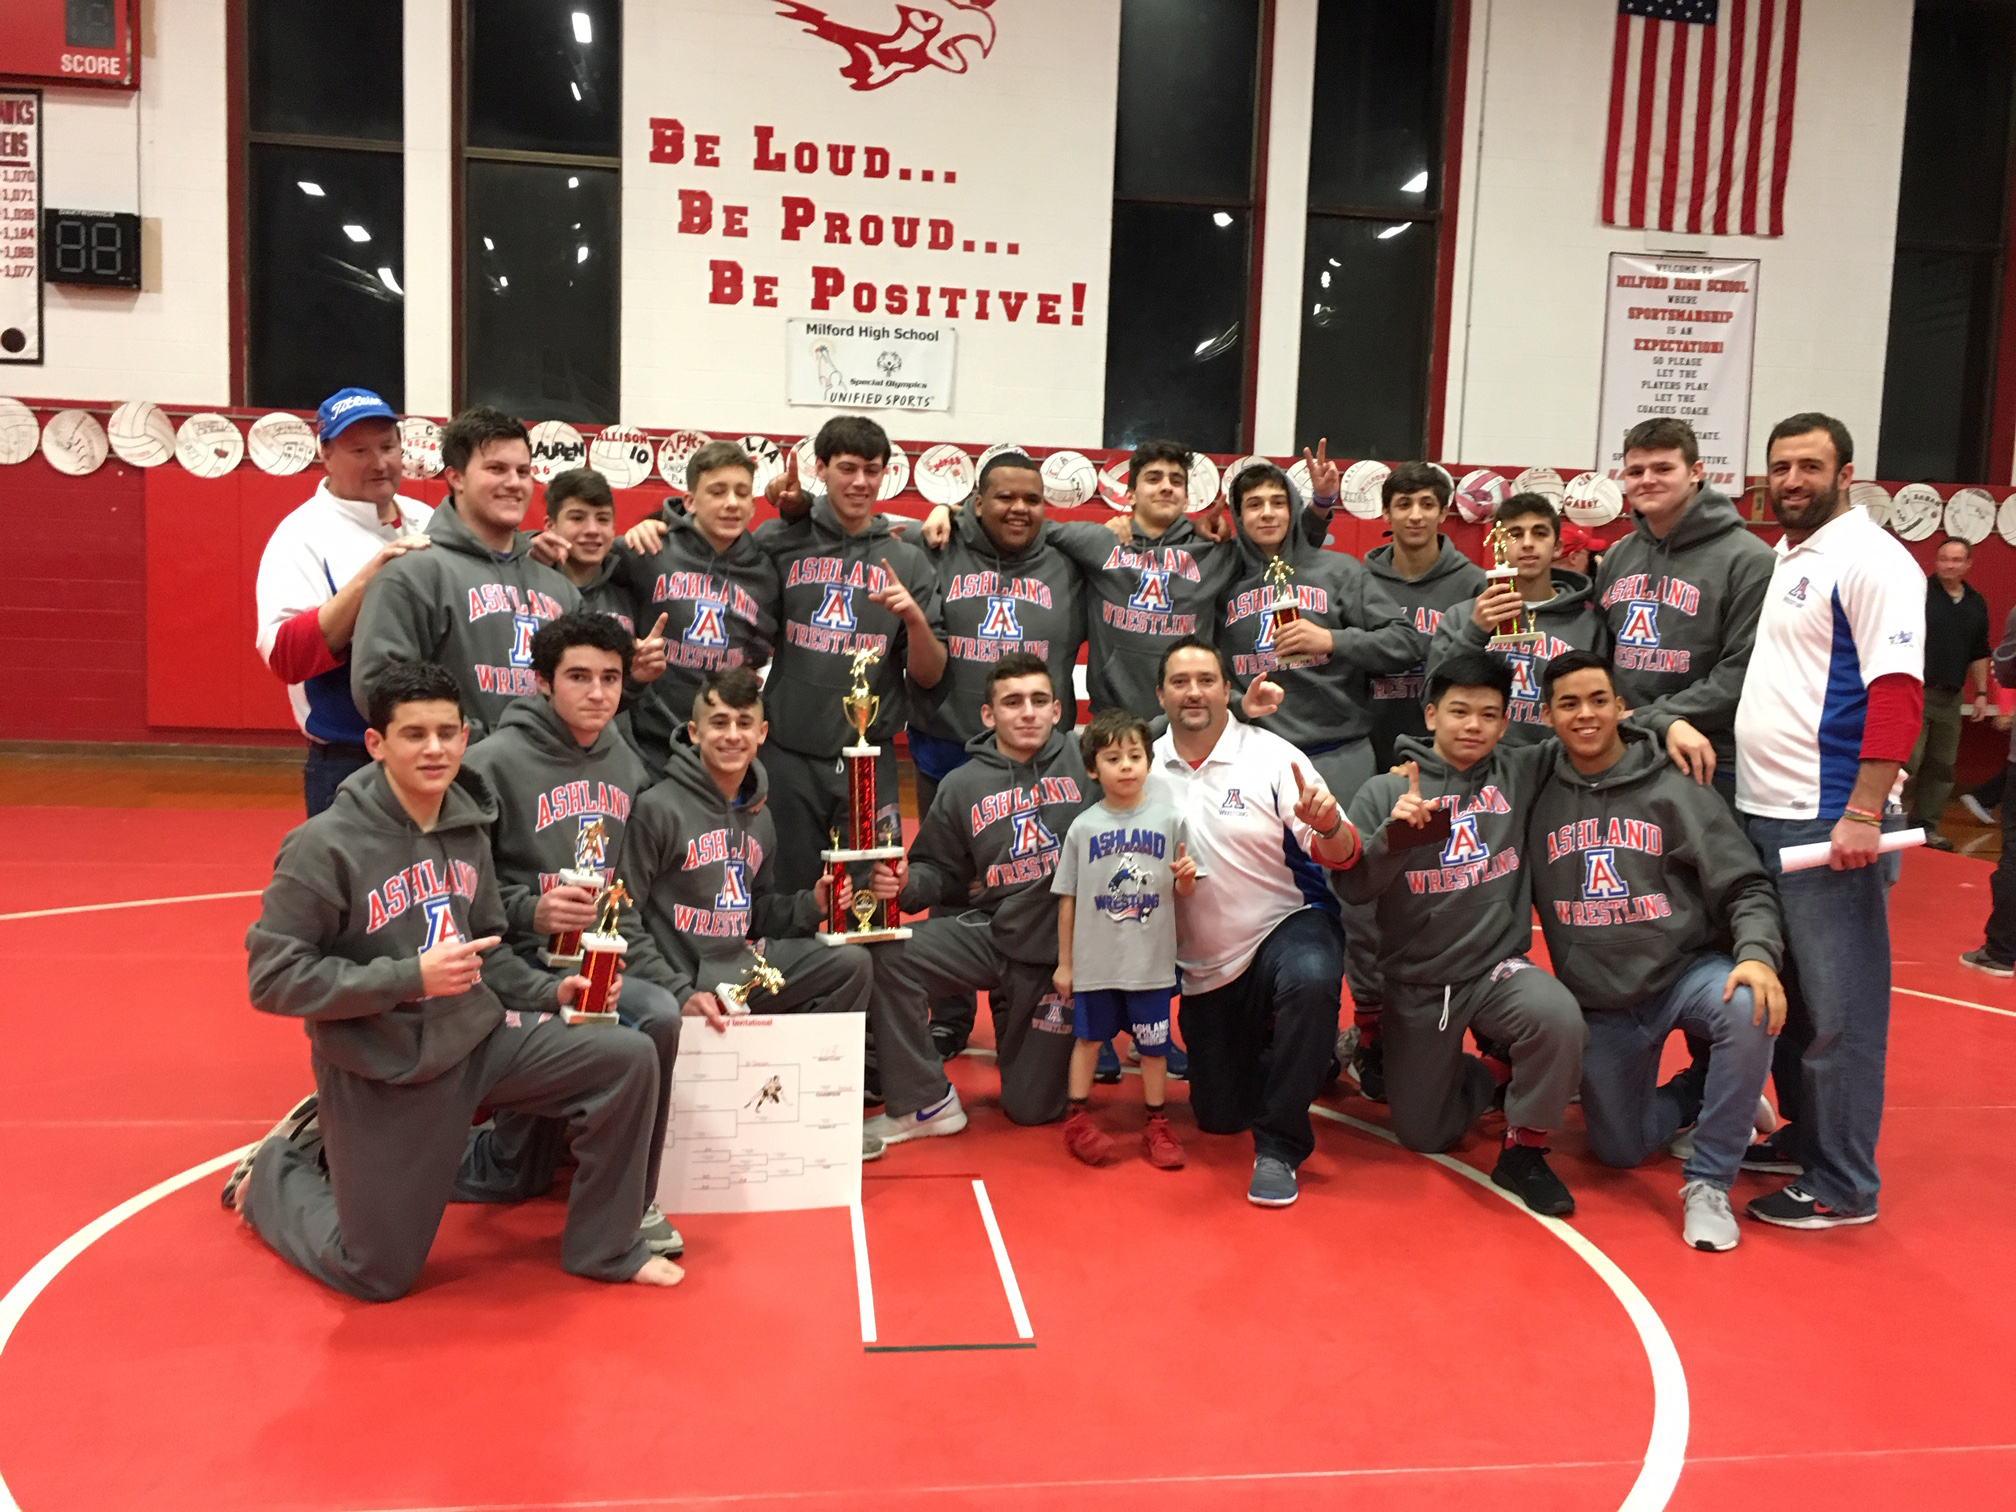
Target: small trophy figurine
{"type": "Point", "coordinates": [734, 996]}
{"type": "Point", "coordinates": [602, 953]}
{"type": "Point", "coordinates": [872, 920]}
{"type": "Point", "coordinates": [1283, 610]}
{"type": "Point", "coordinates": [564, 947]}
{"type": "Point", "coordinates": [1509, 637]}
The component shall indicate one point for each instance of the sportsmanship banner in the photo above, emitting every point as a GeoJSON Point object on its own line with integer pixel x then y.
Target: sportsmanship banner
{"type": "Point", "coordinates": [1678, 333]}
{"type": "Point", "coordinates": [868, 168]}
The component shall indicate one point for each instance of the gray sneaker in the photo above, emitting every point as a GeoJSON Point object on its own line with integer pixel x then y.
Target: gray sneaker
{"type": "Point", "coordinates": [1273, 1183]}
{"type": "Point", "coordinates": [1707, 1223]}
{"type": "Point", "coordinates": [1681, 1145]}
{"type": "Point", "coordinates": [659, 1236]}
{"type": "Point", "coordinates": [943, 1117]}
{"type": "Point", "coordinates": [300, 1126]}
{"type": "Point", "coordinates": [871, 1147]}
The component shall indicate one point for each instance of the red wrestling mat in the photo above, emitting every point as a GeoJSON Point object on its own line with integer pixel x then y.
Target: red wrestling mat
{"type": "Point", "coordinates": [1400, 1339]}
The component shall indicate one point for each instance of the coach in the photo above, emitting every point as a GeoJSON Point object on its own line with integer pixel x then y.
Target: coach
{"type": "Point", "coordinates": [1829, 711]}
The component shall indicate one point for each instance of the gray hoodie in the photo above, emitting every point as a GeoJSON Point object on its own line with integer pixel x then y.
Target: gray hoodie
{"type": "Point", "coordinates": [1569, 620]}
{"type": "Point", "coordinates": [1448, 914]}
{"type": "Point", "coordinates": [826, 577]}
{"type": "Point", "coordinates": [1396, 700]}
{"type": "Point", "coordinates": [548, 790]}
{"type": "Point", "coordinates": [357, 893]}
{"type": "Point", "coordinates": [1639, 869]}
{"type": "Point", "coordinates": [998, 823]}
{"type": "Point", "coordinates": [1328, 703]}
{"type": "Point", "coordinates": [1683, 617]}
{"type": "Point", "coordinates": [609, 593]}
{"type": "Point", "coordinates": [995, 604]}
{"type": "Point", "coordinates": [697, 863]}
{"type": "Point", "coordinates": [464, 606]}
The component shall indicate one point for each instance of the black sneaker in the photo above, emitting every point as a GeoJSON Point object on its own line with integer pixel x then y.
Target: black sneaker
{"type": "Point", "coordinates": [1769, 1158]}
{"type": "Point", "coordinates": [871, 1086]}
{"type": "Point", "coordinates": [1791, 1208]}
{"type": "Point", "coordinates": [1980, 960]}
{"type": "Point", "coordinates": [947, 1040]}
{"type": "Point", "coordinates": [298, 1127]}
{"type": "Point", "coordinates": [1368, 1069]}
{"type": "Point", "coordinates": [1936, 841]}
{"type": "Point", "coordinates": [1106, 1070]}
{"type": "Point", "coordinates": [1523, 1171]}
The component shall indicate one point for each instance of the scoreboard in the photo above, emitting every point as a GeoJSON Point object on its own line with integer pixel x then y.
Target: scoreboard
{"type": "Point", "coordinates": [75, 42]}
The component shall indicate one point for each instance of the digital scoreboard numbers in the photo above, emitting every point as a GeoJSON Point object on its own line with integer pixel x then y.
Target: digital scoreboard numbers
{"type": "Point", "coordinates": [95, 248]}
{"type": "Point", "coordinates": [92, 42]}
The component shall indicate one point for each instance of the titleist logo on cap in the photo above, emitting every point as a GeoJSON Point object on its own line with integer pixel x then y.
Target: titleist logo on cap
{"type": "Point", "coordinates": [353, 401]}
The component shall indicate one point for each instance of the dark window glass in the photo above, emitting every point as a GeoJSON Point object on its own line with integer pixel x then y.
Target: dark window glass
{"type": "Point", "coordinates": [1176, 338]}
{"type": "Point", "coordinates": [1940, 366]}
{"type": "Point", "coordinates": [1187, 77]}
{"type": "Point", "coordinates": [1956, 125]}
{"type": "Point", "coordinates": [320, 69]}
{"type": "Point", "coordinates": [1368, 290]}
{"type": "Point", "coordinates": [540, 297]}
{"type": "Point", "coordinates": [545, 75]}
{"type": "Point", "coordinates": [326, 306]}
{"type": "Point", "coordinates": [1377, 129]}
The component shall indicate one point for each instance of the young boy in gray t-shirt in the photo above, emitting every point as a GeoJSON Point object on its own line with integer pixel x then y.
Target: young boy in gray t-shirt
{"type": "Point", "coordinates": [1121, 868]}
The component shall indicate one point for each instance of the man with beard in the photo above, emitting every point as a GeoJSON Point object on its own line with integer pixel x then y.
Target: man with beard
{"type": "Point", "coordinates": [1830, 708]}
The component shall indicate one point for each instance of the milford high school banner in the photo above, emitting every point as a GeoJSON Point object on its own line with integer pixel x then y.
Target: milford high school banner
{"type": "Point", "coordinates": [876, 170]}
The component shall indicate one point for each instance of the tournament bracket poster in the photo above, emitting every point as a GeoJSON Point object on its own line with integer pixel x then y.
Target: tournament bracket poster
{"type": "Point", "coordinates": [935, 164]}
{"type": "Point", "coordinates": [1678, 334]}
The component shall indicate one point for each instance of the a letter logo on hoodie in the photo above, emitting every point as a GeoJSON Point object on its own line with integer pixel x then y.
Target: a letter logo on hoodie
{"type": "Point", "coordinates": [1641, 624]}
{"type": "Point", "coordinates": [424, 884]}
{"type": "Point", "coordinates": [737, 855]}
{"type": "Point", "coordinates": [1606, 895]}
{"type": "Point", "coordinates": [1465, 844]}
{"type": "Point", "coordinates": [836, 611]}
{"type": "Point", "coordinates": [709, 626]}
{"type": "Point", "coordinates": [1466, 860]}
{"type": "Point", "coordinates": [1001, 623]}
{"type": "Point", "coordinates": [1153, 593]}
{"type": "Point", "coordinates": [441, 928]}
{"type": "Point", "coordinates": [1599, 875]}
{"type": "Point", "coordinates": [734, 889]}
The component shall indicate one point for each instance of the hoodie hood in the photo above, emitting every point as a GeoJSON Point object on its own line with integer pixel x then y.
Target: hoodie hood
{"type": "Point", "coordinates": [448, 529]}
{"type": "Point", "coordinates": [1643, 760]}
{"type": "Point", "coordinates": [971, 536]}
{"type": "Point", "coordinates": [542, 727]}
{"type": "Point", "coordinates": [1710, 513]}
{"type": "Point", "coordinates": [1293, 546]}
{"type": "Point", "coordinates": [688, 774]}
{"type": "Point", "coordinates": [367, 799]}
{"type": "Point", "coordinates": [1448, 563]}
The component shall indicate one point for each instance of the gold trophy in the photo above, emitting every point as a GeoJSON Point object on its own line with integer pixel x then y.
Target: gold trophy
{"type": "Point", "coordinates": [734, 996]}
{"type": "Point", "coordinates": [872, 920]}
{"type": "Point", "coordinates": [564, 947]}
{"type": "Point", "coordinates": [1509, 636]}
{"type": "Point", "coordinates": [1283, 610]}
{"type": "Point", "coordinates": [602, 952]}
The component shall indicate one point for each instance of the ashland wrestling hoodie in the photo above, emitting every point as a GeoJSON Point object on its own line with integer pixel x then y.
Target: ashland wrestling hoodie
{"type": "Point", "coordinates": [826, 576]}
{"type": "Point", "coordinates": [1396, 700]}
{"type": "Point", "coordinates": [357, 893]}
{"type": "Point", "coordinates": [549, 789]}
{"type": "Point", "coordinates": [720, 606]}
{"type": "Point", "coordinates": [999, 822]}
{"type": "Point", "coordinates": [468, 608]}
{"type": "Point", "coordinates": [1449, 913]}
{"type": "Point", "coordinates": [1683, 617]}
{"type": "Point", "coordinates": [1571, 622]}
{"type": "Point", "coordinates": [996, 603]}
{"type": "Point", "coordinates": [1639, 869]}
{"type": "Point", "coordinates": [1328, 703]}
{"type": "Point", "coordinates": [697, 863]}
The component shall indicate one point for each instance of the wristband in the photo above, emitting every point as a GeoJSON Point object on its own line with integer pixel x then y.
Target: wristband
{"type": "Point", "coordinates": [1862, 816]}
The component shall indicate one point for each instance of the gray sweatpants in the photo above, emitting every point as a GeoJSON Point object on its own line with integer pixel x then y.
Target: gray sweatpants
{"type": "Point", "coordinates": [364, 1225]}
{"type": "Point", "coordinates": [1032, 1026]}
{"type": "Point", "coordinates": [808, 800]}
{"type": "Point", "coordinates": [1345, 770]}
{"type": "Point", "coordinates": [1435, 1091]}
{"type": "Point", "coordinates": [515, 1159]}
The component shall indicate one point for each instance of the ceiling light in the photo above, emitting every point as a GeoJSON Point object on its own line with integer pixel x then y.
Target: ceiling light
{"type": "Point", "coordinates": [1326, 278]}
{"type": "Point", "coordinates": [1415, 184]}
{"type": "Point", "coordinates": [356, 233]}
{"type": "Point", "coordinates": [489, 245]}
{"type": "Point", "coordinates": [1221, 218]}
{"type": "Point", "coordinates": [584, 29]}
{"type": "Point", "coordinates": [580, 254]}
{"type": "Point", "coordinates": [573, 183]}
{"type": "Point", "coordinates": [386, 277]}
{"type": "Point", "coordinates": [575, 87]}
{"type": "Point", "coordinates": [313, 191]}
{"type": "Point", "coordinates": [503, 282]}
{"type": "Point", "coordinates": [1392, 231]}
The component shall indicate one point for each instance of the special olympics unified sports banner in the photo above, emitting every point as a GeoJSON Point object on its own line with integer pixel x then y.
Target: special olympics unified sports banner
{"type": "Point", "coordinates": [947, 163]}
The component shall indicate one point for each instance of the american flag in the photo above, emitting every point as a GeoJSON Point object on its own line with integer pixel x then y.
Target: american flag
{"type": "Point", "coordinates": [1701, 96]}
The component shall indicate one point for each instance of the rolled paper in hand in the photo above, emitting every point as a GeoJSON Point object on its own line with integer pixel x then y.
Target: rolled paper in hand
{"type": "Point", "coordinates": [1793, 858]}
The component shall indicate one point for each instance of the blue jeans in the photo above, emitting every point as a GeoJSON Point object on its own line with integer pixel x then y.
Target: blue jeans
{"type": "Point", "coordinates": [324, 771]}
{"type": "Point", "coordinates": [1828, 1063]}
{"type": "Point", "coordinates": [1629, 1115]}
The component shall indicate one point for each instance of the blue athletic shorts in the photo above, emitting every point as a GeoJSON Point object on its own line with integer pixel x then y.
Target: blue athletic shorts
{"type": "Point", "coordinates": [1145, 1015]}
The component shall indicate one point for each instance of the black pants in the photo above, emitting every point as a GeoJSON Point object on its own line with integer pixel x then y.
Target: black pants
{"type": "Point", "coordinates": [325, 769]}
{"type": "Point", "coordinates": [958, 1010]}
{"type": "Point", "coordinates": [1260, 1045]}
{"type": "Point", "coordinates": [2001, 931]}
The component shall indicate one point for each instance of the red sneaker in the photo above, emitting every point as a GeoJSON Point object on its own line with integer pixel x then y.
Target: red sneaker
{"type": "Point", "coordinates": [1083, 1138]}
{"type": "Point", "coordinates": [1159, 1144]}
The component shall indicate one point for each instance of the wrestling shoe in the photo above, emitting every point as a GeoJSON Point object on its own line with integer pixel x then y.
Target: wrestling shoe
{"type": "Point", "coordinates": [1160, 1145]}
{"type": "Point", "coordinates": [659, 1236]}
{"type": "Point", "coordinates": [1273, 1183]}
{"type": "Point", "coordinates": [1523, 1171]}
{"type": "Point", "coordinates": [1706, 1222]}
{"type": "Point", "coordinates": [1794, 1209]}
{"type": "Point", "coordinates": [1980, 960]}
{"type": "Point", "coordinates": [1768, 1157]}
{"type": "Point", "coordinates": [298, 1127]}
{"type": "Point", "coordinates": [1085, 1139]}
{"type": "Point", "coordinates": [945, 1116]}
{"type": "Point", "coordinates": [1106, 1071]}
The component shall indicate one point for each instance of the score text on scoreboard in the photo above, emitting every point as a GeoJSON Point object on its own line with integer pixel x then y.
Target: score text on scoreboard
{"type": "Point", "coordinates": [92, 42]}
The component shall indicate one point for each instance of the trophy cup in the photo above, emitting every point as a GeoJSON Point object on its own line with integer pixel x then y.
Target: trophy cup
{"type": "Point", "coordinates": [1283, 610]}
{"type": "Point", "coordinates": [564, 947]}
{"type": "Point", "coordinates": [1509, 637]}
{"type": "Point", "coordinates": [734, 996]}
{"type": "Point", "coordinates": [872, 920]}
{"type": "Point", "coordinates": [602, 952]}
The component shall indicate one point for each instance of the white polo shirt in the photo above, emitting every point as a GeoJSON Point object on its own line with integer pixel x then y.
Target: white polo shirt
{"type": "Point", "coordinates": [1252, 852]}
{"type": "Point", "coordinates": [1845, 607]}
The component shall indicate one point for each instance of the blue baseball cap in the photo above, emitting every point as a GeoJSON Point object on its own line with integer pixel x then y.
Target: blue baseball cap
{"type": "Point", "coordinates": [345, 408]}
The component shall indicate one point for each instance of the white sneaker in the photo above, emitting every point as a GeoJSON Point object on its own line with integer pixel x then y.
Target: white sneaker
{"type": "Point", "coordinates": [1707, 1223]}
{"type": "Point", "coordinates": [943, 1117]}
{"type": "Point", "coordinates": [1979, 810]}
{"type": "Point", "coordinates": [1766, 1122]}
{"type": "Point", "coordinates": [1681, 1145]}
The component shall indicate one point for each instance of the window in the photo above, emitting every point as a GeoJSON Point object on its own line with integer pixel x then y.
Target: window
{"type": "Point", "coordinates": [1375, 203]}
{"type": "Point", "coordinates": [325, 223]}
{"type": "Point", "coordinates": [542, 209]}
{"type": "Point", "coordinates": [1183, 191]}
{"type": "Point", "coordinates": [1946, 282]}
